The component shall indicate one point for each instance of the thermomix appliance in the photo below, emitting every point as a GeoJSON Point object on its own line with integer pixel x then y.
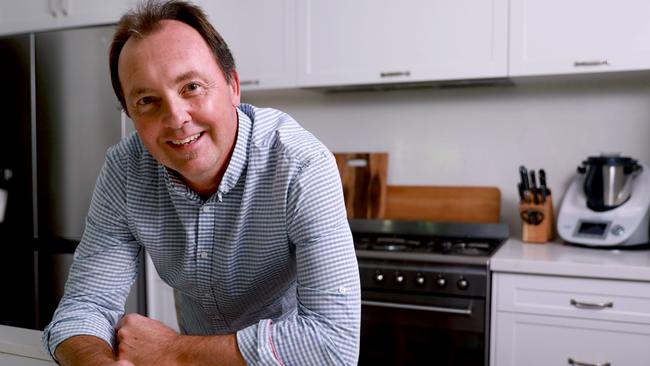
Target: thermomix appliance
{"type": "Point", "coordinates": [607, 204]}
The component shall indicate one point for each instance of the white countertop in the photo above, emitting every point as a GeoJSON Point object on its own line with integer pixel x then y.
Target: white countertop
{"type": "Point", "coordinates": [567, 260]}
{"type": "Point", "coordinates": [22, 342]}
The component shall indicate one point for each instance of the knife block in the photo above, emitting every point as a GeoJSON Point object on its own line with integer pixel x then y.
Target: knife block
{"type": "Point", "coordinates": [533, 231]}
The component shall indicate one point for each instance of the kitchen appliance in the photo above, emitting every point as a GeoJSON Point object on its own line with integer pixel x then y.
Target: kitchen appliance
{"type": "Point", "coordinates": [425, 290]}
{"type": "Point", "coordinates": [59, 117]}
{"type": "Point", "coordinates": [607, 203]}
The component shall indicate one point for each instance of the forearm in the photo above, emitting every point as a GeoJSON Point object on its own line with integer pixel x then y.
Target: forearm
{"type": "Point", "coordinates": [145, 341]}
{"type": "Point", "coordinates": [219, 350]}
{"type": "Point", "coordinates": [84, 350]}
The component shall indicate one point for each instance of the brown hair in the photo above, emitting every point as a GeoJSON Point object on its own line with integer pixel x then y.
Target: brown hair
{"type": "Point", "coordinates": [146, 19]}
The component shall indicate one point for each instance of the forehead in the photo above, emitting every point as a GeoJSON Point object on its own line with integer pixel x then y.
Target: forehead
{"type": "Point", "coordinates": [173, 47]}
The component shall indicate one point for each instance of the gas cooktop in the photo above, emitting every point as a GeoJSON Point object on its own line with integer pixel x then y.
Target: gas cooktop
{"type": "Point", "coordinates": [471, 243]}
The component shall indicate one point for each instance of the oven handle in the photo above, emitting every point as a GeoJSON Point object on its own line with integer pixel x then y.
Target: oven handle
{"type": "Point", "coordinates": [436, 309]}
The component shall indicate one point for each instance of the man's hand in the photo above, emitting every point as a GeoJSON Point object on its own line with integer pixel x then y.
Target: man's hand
{"type": "Point", "coordinates": [144, 341]}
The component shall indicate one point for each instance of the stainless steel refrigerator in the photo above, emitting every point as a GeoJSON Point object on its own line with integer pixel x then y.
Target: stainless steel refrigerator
{"type": "Point", "coordinates": [59, 117]}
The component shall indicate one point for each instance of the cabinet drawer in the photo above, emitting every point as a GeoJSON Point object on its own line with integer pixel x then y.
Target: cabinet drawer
{"type": "Point", "coordinates": [534, 340]}
{"type": "Point", "coordinates": [626, 301]}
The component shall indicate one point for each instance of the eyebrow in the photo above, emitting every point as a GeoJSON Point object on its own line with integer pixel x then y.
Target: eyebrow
{"type": "Point", "coordinates": [187, 75]}
{"type": "Point", "coordinates": [182, 77]}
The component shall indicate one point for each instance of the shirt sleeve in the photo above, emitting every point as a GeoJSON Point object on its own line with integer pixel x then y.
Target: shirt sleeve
{"type": "Point", "coordinates": [103, 269]}
{"type": "Point", "coordinates": [326, 327]}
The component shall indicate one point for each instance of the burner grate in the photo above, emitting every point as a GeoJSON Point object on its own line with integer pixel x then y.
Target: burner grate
{"type": "Point", "coordinates": [455, 246]}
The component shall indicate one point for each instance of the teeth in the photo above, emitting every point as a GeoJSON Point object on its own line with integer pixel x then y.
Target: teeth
{"type": "Point", "coordinates": [187, 140]}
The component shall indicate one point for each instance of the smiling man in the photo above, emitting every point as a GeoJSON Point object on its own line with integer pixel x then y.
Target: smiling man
{"type": "Point", "coordinates": [239, 207]}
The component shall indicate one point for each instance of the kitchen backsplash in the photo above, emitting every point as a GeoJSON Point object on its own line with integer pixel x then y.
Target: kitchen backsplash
{"type": "Point", "coordinates": [479, 136]}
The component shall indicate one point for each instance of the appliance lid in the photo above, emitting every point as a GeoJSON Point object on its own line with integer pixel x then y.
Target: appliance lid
{"type": "Point", "coordinates": [612, 159]}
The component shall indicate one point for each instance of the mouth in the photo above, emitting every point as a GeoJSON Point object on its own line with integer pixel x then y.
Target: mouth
{"type": "Point", "coordinates": [186, 141]}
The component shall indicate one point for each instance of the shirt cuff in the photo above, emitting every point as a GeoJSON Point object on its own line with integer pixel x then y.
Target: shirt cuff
{"type": "Point", "coordinates": [256, 344]}
{"type": "Point", "coordinates": [58, 331]}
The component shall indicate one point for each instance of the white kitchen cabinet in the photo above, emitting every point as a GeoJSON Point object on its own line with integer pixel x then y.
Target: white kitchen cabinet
{"type": "Point", "coordinates": [262, 37]}
{"type": "Point", "coordinates": [549, 320]}
{"type": "Point", "coordinates": [160, 297]}
{"type": "Point", "coordinates": [20, 16]}
{"type": "Point", "coordinates": [22, 347]}
{"type": "Point", "coordinates": [17, 360]}
{"type": "Point", "coordinates": [344, 42]}
{"type": "Point", "coordinates": [579, 36]}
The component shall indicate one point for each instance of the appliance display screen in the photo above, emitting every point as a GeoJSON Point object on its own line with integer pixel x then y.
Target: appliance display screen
{"type": "Point", "coordinates": [592, 229]}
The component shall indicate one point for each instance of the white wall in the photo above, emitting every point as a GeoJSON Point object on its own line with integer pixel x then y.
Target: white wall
{"type": "Point", "coordinates": [479, 136]}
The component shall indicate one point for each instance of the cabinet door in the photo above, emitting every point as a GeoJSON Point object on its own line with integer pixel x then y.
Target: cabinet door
{"type": "Point", "coordinates": [381, 41]}
{"type": "Point", "coordinates": [533, 340]}
{"type": "Point", "coordinates": [14, 360]}
{"type": "Point", "coordinates": [262, 37]}
{"type": "Point", "coordinates": [74, 13]}
{"type": "Point", "coordinates": [578, 36]}
{"type": "Point", "coordinates": [19, 16]}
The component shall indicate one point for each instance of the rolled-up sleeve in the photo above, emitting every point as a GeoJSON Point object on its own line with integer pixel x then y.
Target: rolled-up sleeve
{"type": "Point", "coordinates": [103, 269]}
{"type": "Point", "coordinates": [326, 327]}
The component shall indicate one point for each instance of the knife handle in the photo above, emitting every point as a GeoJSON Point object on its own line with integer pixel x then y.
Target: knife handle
{"type": "Point", "coordinates": [533, 187]}
{"type": "Point", "coordinates": [523, 173]}
{"type": "Point", "coordinates": [542, 185]}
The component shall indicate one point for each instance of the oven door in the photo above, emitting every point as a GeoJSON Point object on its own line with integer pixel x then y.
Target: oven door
{"type": "Point", "coordinates": [416, 329]}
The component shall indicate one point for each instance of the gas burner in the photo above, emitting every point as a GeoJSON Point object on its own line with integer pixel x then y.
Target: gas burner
{"type": "Point", "coordinates": [427, 241]}
{"type": "Point", "coordinates": [461, 247]}
{"type": "Point", "coordinates": [390, 244]}
{"type": "Point", "coordinates": [434, 245]}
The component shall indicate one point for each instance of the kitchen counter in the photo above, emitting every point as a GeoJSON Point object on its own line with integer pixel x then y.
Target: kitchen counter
{"type": "Point", "coordinates": [559, 259]}
{"type": "Point", "coordinates": [18, 344]}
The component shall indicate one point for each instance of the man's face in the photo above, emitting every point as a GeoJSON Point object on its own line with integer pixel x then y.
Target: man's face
{"type": "Point", "coordinates": [180, 103]}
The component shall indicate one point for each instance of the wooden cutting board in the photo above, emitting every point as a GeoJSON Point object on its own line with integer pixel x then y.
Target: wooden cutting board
{"type": "Point", "coordinates": [446, 204]}
{"type": "Point", "coordinates": [363, 176]}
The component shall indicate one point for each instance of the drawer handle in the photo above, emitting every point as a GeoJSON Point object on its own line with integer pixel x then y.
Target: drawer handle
{"type": "Point", "coordinates": [578, 363]}
{"type": "Point", "coordinates": [591, 63]}
{"type": "Point", "coordinates": [591, 305]}
{"type": "Point", "coordinates": [389, 74]}
{"type": "Point", "coordinates": [436, 309]}
{"type": "Point", "coordinates": [249, 82]}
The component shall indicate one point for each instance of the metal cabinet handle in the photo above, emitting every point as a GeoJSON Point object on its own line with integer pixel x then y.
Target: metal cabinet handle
{"type": "Point", "coordinates": [435, 309]}
{"type": "Point", "coordinates": [65, 7]}
{"type": "Point", "coordinates": [591, 305]}
{"type": "Point", "coordinates": [573, 362]}
{"type": "Point", "coordinates": [249, 82]}
{"type": "Point", "coordinates": [389, 74]}
{"type": "Point", "coordinates": [591, 63]}
{"type": "Point", "coordinates": [52, 6]}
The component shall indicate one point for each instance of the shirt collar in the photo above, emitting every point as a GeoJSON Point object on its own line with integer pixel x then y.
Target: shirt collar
{"type": "Point", "coordinates": [239, 158]}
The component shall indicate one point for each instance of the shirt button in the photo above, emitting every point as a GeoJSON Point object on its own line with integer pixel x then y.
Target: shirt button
{"type": "Point", "coordinates": [342, 290]}
{"type": "Point", "coordinates": [205, 209]}
{"type": "Point", "coordinates": [204, 255]}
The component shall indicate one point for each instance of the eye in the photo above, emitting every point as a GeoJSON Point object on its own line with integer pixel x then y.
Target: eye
{"type": "Point", "coordinates": [192, 88]}
{"type": "Point", "coordinates": [145, 101]}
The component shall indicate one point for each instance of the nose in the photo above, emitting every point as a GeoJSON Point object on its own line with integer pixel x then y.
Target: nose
{"type": "Point", "coordinates": [177, 112]}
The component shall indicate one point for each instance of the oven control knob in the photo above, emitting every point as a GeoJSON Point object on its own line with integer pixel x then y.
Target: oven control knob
{"type": "Point", "coordinates": [618, 230]}
{"type": "Point", "coordinates": [441, 281]}
{"type": "Point", "coordinates": [399, 278]}
{"type": "Point", "coordinates": [462, 284]}
{"type": "Point", "coordinates": [419, 279]}
{"type": "Point", "coordinates": [379, 277]}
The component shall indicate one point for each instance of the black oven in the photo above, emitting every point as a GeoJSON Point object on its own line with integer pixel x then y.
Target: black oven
{"type": "Point", "coordinates": [424, 292]}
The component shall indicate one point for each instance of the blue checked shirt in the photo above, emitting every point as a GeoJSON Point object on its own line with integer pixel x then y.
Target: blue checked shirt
{"type": "Point", "coordinates": [268, 257]}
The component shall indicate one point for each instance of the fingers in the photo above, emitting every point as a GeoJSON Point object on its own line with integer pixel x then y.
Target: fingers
{"type": "Point", "coordinates": [129, 319]}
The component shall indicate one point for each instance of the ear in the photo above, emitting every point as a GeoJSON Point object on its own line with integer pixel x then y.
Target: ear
{"type": "Point", "coordinates": [235, 92]}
